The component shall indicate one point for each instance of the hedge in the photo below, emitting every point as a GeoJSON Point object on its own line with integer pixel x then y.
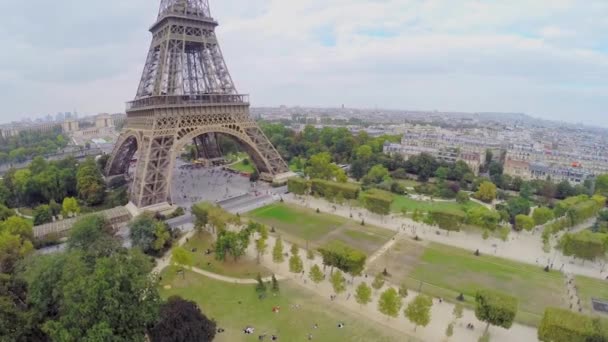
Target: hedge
{"type": "Point", "coordinates": [329, 189]}
{"type": "Point", "coordinates": [378, 201]}
{"type": "Point", "coordinates": [561, 325]}
{"type": "Point", "coordinates": [451, 221]}
{"type": "Point", "coordinates": [297, 185]}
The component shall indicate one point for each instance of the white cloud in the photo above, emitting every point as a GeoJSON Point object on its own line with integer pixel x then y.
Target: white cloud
{"type": "Point", "coordinates": [543, 57]}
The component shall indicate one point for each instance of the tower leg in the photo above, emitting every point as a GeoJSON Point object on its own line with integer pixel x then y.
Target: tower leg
{"type": "Point", "coordinates": [154, 171]}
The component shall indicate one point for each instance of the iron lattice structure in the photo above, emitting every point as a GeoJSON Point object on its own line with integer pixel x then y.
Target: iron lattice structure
{"type": "Point", "coordinates": [185, 95]}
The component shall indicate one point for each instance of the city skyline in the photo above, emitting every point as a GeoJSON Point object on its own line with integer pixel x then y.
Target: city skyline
{"type": "Point", "coordinates": [541, 59]}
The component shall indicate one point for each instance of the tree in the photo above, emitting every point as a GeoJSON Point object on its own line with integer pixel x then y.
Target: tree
{"type": "Point", "coordinates": [277, 251]}
{"type": "Point", "coordinates": [315, 274]}
{"type": "Point", "coordinates": [275, 284]}
{"type": "Point", "coordinates": [449, 331]}
{"type": "Point", "coordinates": [342, 256]}
{"type": "Point", "coordinates": [419, 311]}
{"type": "Point", "coordinates": [295, 264]}
{"type": "Point", "coordinates": [70, 207]}
{"type": "Point", "coordinates": [93, 235]}
{"type": "Point", "coordinates": [90, 184]}
{"type": "Point", "coordinates": [462, 197]}
{"type": "Point", "coordinates": [111, 299]}
{"type": "Point", "coordinates": [585, 245]}
{"type": "Point", "coordinates": [518, 206]}
{"type": "Point", "coordinates": [260, 287]}
{"type": "Point", "coordinates": [376, 175]}
{"type": "Point", "coordinates": [524, 222]}
{"type": "Point", "coordinates": [458, 311]}
{"type": "Point", "coordinates": [298, 186]}
{"type": "Point", "coordinates": [390, 303]}
{"type": "Point", "coordinates": [601, 185]}
{"type": "Point", "coordinates": [487, 192]}
{"type": "Point", "coordinates": [42, 215]}
{"type": "Point", "coordinates": [233, 243]}
{"type": "Point", "coordinates": [542, 215]}
{"type": "Point", "coordinates": [5, 212]}
{"type": "Point", "coordinates": [363, 294]}
{"type": "Point", "coordinates": [260, 246]}
{"type": "Point", "coordinates": [378, 281]}
{"type": "Point", "coordinates": [295, 250]}
{"type": "Point", "coordinates": [149, 234]}
{"type": "Point", "coordinates": [338, 282]}
{"type": "Point", "coordinates": [495, 308]}
{"type": "Point", "coordinates": [310, 255]}
{"type": "Point", "coordinates": [180, 321]}
{"type": "Point", "coordinates": [378, 202]}
{"type": "Point", "coordinates": [321, 167]}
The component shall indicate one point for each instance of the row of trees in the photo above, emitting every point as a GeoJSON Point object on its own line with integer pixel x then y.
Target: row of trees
{"type": "Point", "coordinates": [45, 183]}
{"type": "Point", "coordinates": [27, 145]}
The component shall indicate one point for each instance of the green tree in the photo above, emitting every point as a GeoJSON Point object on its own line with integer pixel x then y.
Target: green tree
{"type": "Point", "coordinates": [585, 245]}
{"type": "Point", "coordinates": [376, 175]}
{"type": "Point", "coordinates": [495, 308]}
{"type": "Point", "coordinates": [363, 294]}
{"type": "Point", "coordinates": [338, 282]}
{"type": "Point", "coordinates": [233, 243]}
{"type": "Point", "coordinates": [601, 185]}
{"type": "Point", "coordinates": [378, 281]}
{"type": "Point", "coordinates": [542, 215]}
{"type": "Point", "coordinates": [419, 311]}
{"type": "Point", "coordinates": [295, 250]}
{"type": "Point", "coordinates": [275, 284]}
{"type": "Point", "coordinates": [449, 331]}
{"type": "Point", "coordinates": [93, 235]}
{"type": "Point", "coordinates": [295, 264]}
{"type": "Point", "coordinates": [458, 311]}
{"type": "Point", "coordinates": [321, 167]}
{"type": "Point", "coordinates": [277, 251]}
{"type": "Point", "coordinates": [518, 206]}
{"type": "Point", "coordinates": [462, 197]}
{"type": "Point", "coordinates": [70, 207]}
{"type": "Point", "coordinates": [260, 287]}
{"type": "Point", "coordinates": [261, 246]}
{"type": "Point", "coordinates": [487, 192]}
{"type": "Point", "coordinates": [149, 234]}
{"type": "Point", "coordinates": [310, 255]}
{"type": "Point", "coordinates": [524, 222]}
{"type": "Point", "coordinates": [103, 299]}
{"type": "Point", "coordinates": [390, 303]}
{"type": "Point", "coordinates": [90, 184]}
{"type": "Point", "coordinates": [403, 291]}
{"type": "Point", "coordinates": [42, 215]}
{"type": "Point", "coordinates": [315, 274]}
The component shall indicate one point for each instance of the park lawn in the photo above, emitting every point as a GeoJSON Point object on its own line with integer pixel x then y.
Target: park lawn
{"type": "Point", "coordinates": [243, 167]}
{"type": "Point", "coordinates": [235, 307]}
{"type": "Point", "coordinates": [445, 271]}
{"type": "Point", "coordinates": [26, 211]}
{"type": "Point", "coordinates": [243, 268]}
{"type": "Point", "coordinates": [410, 204]}
{"type": "Point", "coordinates": [589, 288]}
{"type": "Point", "coordinates": [300, 222]}
{"type": "Point", "coordinates": [308, 229]}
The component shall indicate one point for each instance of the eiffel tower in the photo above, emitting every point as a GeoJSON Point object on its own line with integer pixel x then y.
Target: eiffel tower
{"type": "Point", "coordinates": [186, 95]}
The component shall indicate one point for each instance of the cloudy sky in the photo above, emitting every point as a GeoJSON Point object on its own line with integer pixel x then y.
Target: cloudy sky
{"type": "Point", "coordinates": [548, 58]}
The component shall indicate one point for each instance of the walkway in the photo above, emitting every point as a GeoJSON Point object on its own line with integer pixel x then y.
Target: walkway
{"type": "Point", "coordinates": [573, 298]}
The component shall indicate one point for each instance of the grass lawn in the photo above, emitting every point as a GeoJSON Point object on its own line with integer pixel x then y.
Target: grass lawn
{"type": "Point", "coordinates": [26, 211]}
{"type": "Point", "coordinates": [243, 268]}
{"type": "Point", "coordinates": [243, 166]}
{"type": "Point", "coordinates": [447, 271]}
{"type": "Point", "coordinates": [589, 288]}
{"type": "Point", "coordinates": [412, 204]}
{"type": "Point", "coordinates": [408, 183]}
{"type": "Point", "coordinates": [236, 306]}
{"type": "Point", "coordinates": [302, 225]}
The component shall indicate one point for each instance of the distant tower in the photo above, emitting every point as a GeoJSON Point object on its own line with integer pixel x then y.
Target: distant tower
{"type": "Point", "coordinates": [186, 94]}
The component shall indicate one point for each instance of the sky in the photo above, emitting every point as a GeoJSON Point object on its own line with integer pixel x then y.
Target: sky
{"type": "Point", "coordinates": [546, 58]}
